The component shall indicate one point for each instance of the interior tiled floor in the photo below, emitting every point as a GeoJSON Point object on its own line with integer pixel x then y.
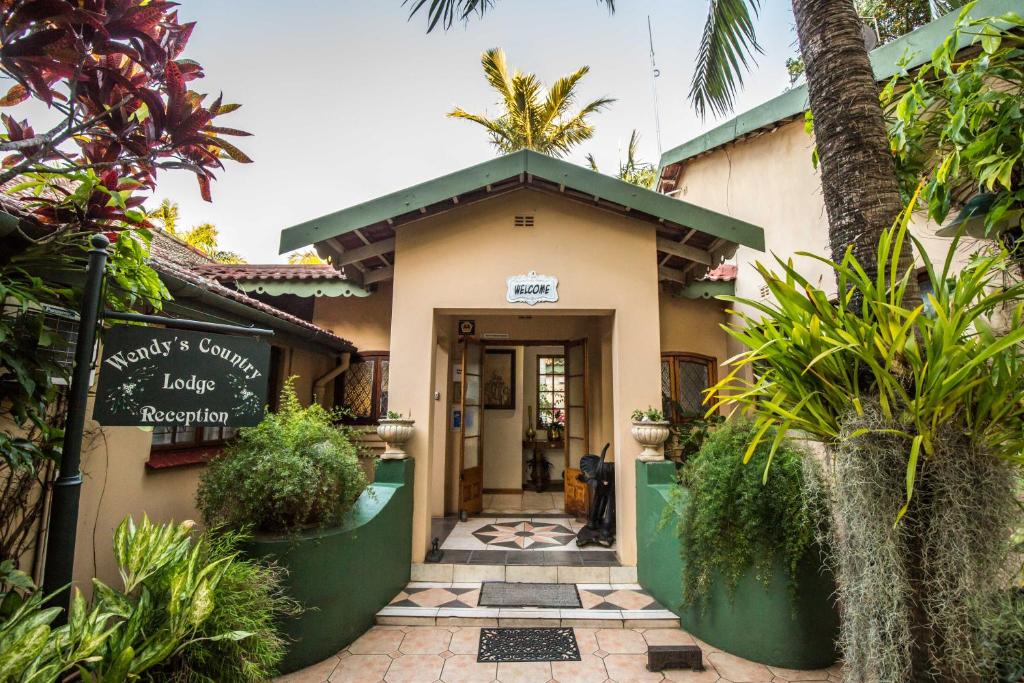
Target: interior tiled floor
{"type": "Point", "coordinates": [528, 501]}
{"type": "Point", "coordinates": [432, 654]}
{"type": "Point", "coordinates": [517, 533]}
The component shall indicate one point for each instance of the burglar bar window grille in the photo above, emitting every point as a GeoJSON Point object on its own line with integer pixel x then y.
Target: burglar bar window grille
{"type": "Point", "coordinates": [362, 391]}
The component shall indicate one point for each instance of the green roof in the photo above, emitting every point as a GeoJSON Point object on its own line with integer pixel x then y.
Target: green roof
{"type": "Point", "coordinates": [526, 165]}
{"type": "Point", "coordinates": [887, 60]}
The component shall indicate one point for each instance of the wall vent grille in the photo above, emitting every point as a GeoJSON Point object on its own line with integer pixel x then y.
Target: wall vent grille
{"type": "Point", "coordinates": [765, 291]}
{"type": "Point", "coordinates": [524, 221]}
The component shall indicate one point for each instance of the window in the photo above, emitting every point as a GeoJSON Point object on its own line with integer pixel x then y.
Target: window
{"type": "Point", "coordinates": [362, 390]}
{"type": "Point", "coordinates": [550, 391]}
{"type": "Point", "coordinates": [190, 437]}
{"type": "Point", "coordinates": [684, 378]}
{"type": "Point", "coordinates": [176, 446]}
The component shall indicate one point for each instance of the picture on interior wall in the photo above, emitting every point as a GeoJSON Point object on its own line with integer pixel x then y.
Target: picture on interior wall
{"type": "Point", "coordinates": [500, 379]}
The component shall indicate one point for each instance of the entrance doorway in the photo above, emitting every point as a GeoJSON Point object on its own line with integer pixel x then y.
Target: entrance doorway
{"type": "Point", "coordinates": [522, 413]}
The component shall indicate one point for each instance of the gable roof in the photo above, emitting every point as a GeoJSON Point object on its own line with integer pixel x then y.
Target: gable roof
{"type": "Point", "coordinates": [363, 235]}
{"type": "Point", "coordinates": [906, 52]}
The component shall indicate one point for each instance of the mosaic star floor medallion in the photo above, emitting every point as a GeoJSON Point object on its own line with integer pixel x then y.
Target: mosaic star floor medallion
{"type": "Point", "coordinates": [524, 535]}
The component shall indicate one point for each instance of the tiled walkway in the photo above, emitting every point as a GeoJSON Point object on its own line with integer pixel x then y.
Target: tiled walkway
{"type": "Point", "coordinates": [522, 533]}
{"type": "Point", "coordinates": [413, 654]}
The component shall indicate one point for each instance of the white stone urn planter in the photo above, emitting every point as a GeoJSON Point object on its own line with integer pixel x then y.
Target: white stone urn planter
{"type": "Point", "coordinates": [652, 436]}
{"type": "Point", "coordinates": [395, 432]}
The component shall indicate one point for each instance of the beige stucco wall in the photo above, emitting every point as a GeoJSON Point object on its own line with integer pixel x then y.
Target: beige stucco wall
{"type": "Point", "coordinates": [769, 180]}
{"type": "Point", "coordinates": [117, 482]}
{"type": "Point", "coordinates": [692, 326]}
{"type": "Point", "coordinates": [364, 321]}
{"type": "Point", "coordinates": [457, 263]}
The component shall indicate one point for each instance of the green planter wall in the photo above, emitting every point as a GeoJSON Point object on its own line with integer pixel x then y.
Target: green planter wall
{"type": "Point", "coordinates": [343, 576]}
{"type": "Point", "coordinates": [758, 624]}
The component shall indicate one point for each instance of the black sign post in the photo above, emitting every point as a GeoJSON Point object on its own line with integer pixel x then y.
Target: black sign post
{"type": "Point", "coordinates": [60, 537]}
{"type": "Point", "coordinates": [152, 376]}
{"type": "Point", "coordinates": [208, 378]}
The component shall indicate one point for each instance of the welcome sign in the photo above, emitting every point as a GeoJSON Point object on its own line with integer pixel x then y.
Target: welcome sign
{"type": "Point", "coordinates": [156, 376]}
{"type": "Point", "coordinates": [531, 289]}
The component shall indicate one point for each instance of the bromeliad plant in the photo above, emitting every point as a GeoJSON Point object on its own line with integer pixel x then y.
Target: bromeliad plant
{"type": "Point", "coordinates": [921, 410]}
{"type": "Point", "coordinates": [813, 357]}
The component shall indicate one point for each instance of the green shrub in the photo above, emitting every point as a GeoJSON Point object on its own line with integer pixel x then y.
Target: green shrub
{"type": "Point", "coordinates": [733, 521]}
{"type": "Point", "coordinates": [249, 598]}
{"type": "Point", "coordinates": [171, 584]}
{"type": "Point", "coordinates": [292, 471]}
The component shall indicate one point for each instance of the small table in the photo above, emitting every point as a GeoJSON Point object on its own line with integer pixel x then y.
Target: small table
{"type": "Point", "coordinates": [539, 477]}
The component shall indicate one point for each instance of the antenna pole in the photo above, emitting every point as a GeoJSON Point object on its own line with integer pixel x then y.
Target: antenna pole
{"type": "Point", "coordinates": [654, 84]}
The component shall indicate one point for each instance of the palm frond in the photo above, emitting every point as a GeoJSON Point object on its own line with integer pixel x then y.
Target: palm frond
{"type": "Point", "coordinates": [497, 74]}
{"type": "Point", "coordinates": [445, 12]}
{"type": "Point", "coordinates": [561, 95]}
{"type": "Point", "coordinates": [726, 50]}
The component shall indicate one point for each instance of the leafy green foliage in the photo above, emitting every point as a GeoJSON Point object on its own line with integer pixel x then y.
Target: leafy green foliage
{"type": "Point", "coordinates": [732, 523]}
{"type": "Point", "coordinates": [249, 598]}
{"type": "Point", "coordinates": [649, 415]}
{"type": "Point", "coordinates": [204, 237]}
{"type": "Point", "coordinates": [895, 18]}
{"type": "Point", "coordinates": [531, 118]}
{"type": "Point", "coordinates": [727, 47]}
{"type": "Point", "coordinates": [689, 437]}
{"type": "Point", "coordinates": [816, 359]}
{"type": "Point", "coordinates": [958, 122]}
{"type": "Point", "coordinates": [168, 604]}
{"type": "Point", "coordinates": [632, 170]}
{"type": "Point", "coordinates": [446, 12]}
{"type": "Point", "coordinates": [294, 470]}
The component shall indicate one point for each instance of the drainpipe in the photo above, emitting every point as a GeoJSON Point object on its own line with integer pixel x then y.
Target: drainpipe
{"type": "Point", "coordinates": [321, 382]}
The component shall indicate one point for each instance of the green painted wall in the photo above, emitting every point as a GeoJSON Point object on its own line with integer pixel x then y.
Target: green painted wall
{"type": "Point", "coordinates": [343, 576]}
{"type": "Point", "coordinates": [759, 624]}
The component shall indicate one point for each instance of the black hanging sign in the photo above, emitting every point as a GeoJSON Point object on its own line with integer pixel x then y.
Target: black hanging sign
{"type": "Point", "coordinates": [171, 377]}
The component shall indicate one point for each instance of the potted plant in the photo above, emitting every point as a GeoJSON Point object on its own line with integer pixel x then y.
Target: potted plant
{"type": "Point", "coordinates": [651, 430]}
{"type": "Point", "coordinates": [395, 431]}
{"type": "Point", "coordinates": [296, 483]}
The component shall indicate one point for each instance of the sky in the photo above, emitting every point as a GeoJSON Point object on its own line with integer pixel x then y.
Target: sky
{"type": "Point", "coordinates": [346, 100]}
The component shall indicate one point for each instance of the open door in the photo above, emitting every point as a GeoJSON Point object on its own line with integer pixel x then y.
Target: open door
{"type": "Point", "coordinates": [471, 462]}
{"type": "Point", "coordinates": [577, 424]}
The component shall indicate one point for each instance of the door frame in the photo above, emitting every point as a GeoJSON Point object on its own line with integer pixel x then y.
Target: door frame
{"type": "Point", "coordinates": [527, 400]}
{"type": "Point", "coordinates": [464, 344]}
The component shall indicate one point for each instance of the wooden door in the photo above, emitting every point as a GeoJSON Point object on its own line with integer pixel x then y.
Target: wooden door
{"type": "Point", "coordinates": [471, 461]}
{"type": "Point", "coordinates": [577, 424]}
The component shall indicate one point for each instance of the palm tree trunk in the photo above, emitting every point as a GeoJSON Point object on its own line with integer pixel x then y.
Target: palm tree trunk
{"type": "Point", "coordinates": [861, 190]}
{"type": "Point", "coordinates": [858, 174]}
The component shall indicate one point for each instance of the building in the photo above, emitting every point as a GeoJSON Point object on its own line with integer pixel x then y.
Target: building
{"type": "Point", "coordinates": [518, 293]}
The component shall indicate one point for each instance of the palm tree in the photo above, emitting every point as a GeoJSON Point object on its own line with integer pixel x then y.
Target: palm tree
{"type": "Point", "coordinates": [531, 118]}
{"type": "Point", "coordinates": [308, 257]}
{"type": "Point", "coordinates": [858, 174]}
{"type": "Point", "coordinates": [632, 170]}
{"type": "Point", "coordinates": [204, 237]}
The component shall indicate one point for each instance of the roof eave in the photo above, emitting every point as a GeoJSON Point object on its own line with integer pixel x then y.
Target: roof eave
{"type": "Point", "coordinates": [525, 164]}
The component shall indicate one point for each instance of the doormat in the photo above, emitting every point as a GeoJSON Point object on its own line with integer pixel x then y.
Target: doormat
{"type": "Point", "coordinates": [528, 645]}
{"type": "Point", "coordinates": [500, 594]}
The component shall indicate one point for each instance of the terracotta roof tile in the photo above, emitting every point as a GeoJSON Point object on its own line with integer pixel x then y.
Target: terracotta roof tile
{"type": "Point", "coordinates": [191, 276]}
{"type": "Point", "coordinates": [232, 272]}
{"type": "Point", "coordinates": [726, 272]}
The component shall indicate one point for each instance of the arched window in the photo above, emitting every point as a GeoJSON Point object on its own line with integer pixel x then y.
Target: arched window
{"type": "Point", "coordinates": [684, 379]}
